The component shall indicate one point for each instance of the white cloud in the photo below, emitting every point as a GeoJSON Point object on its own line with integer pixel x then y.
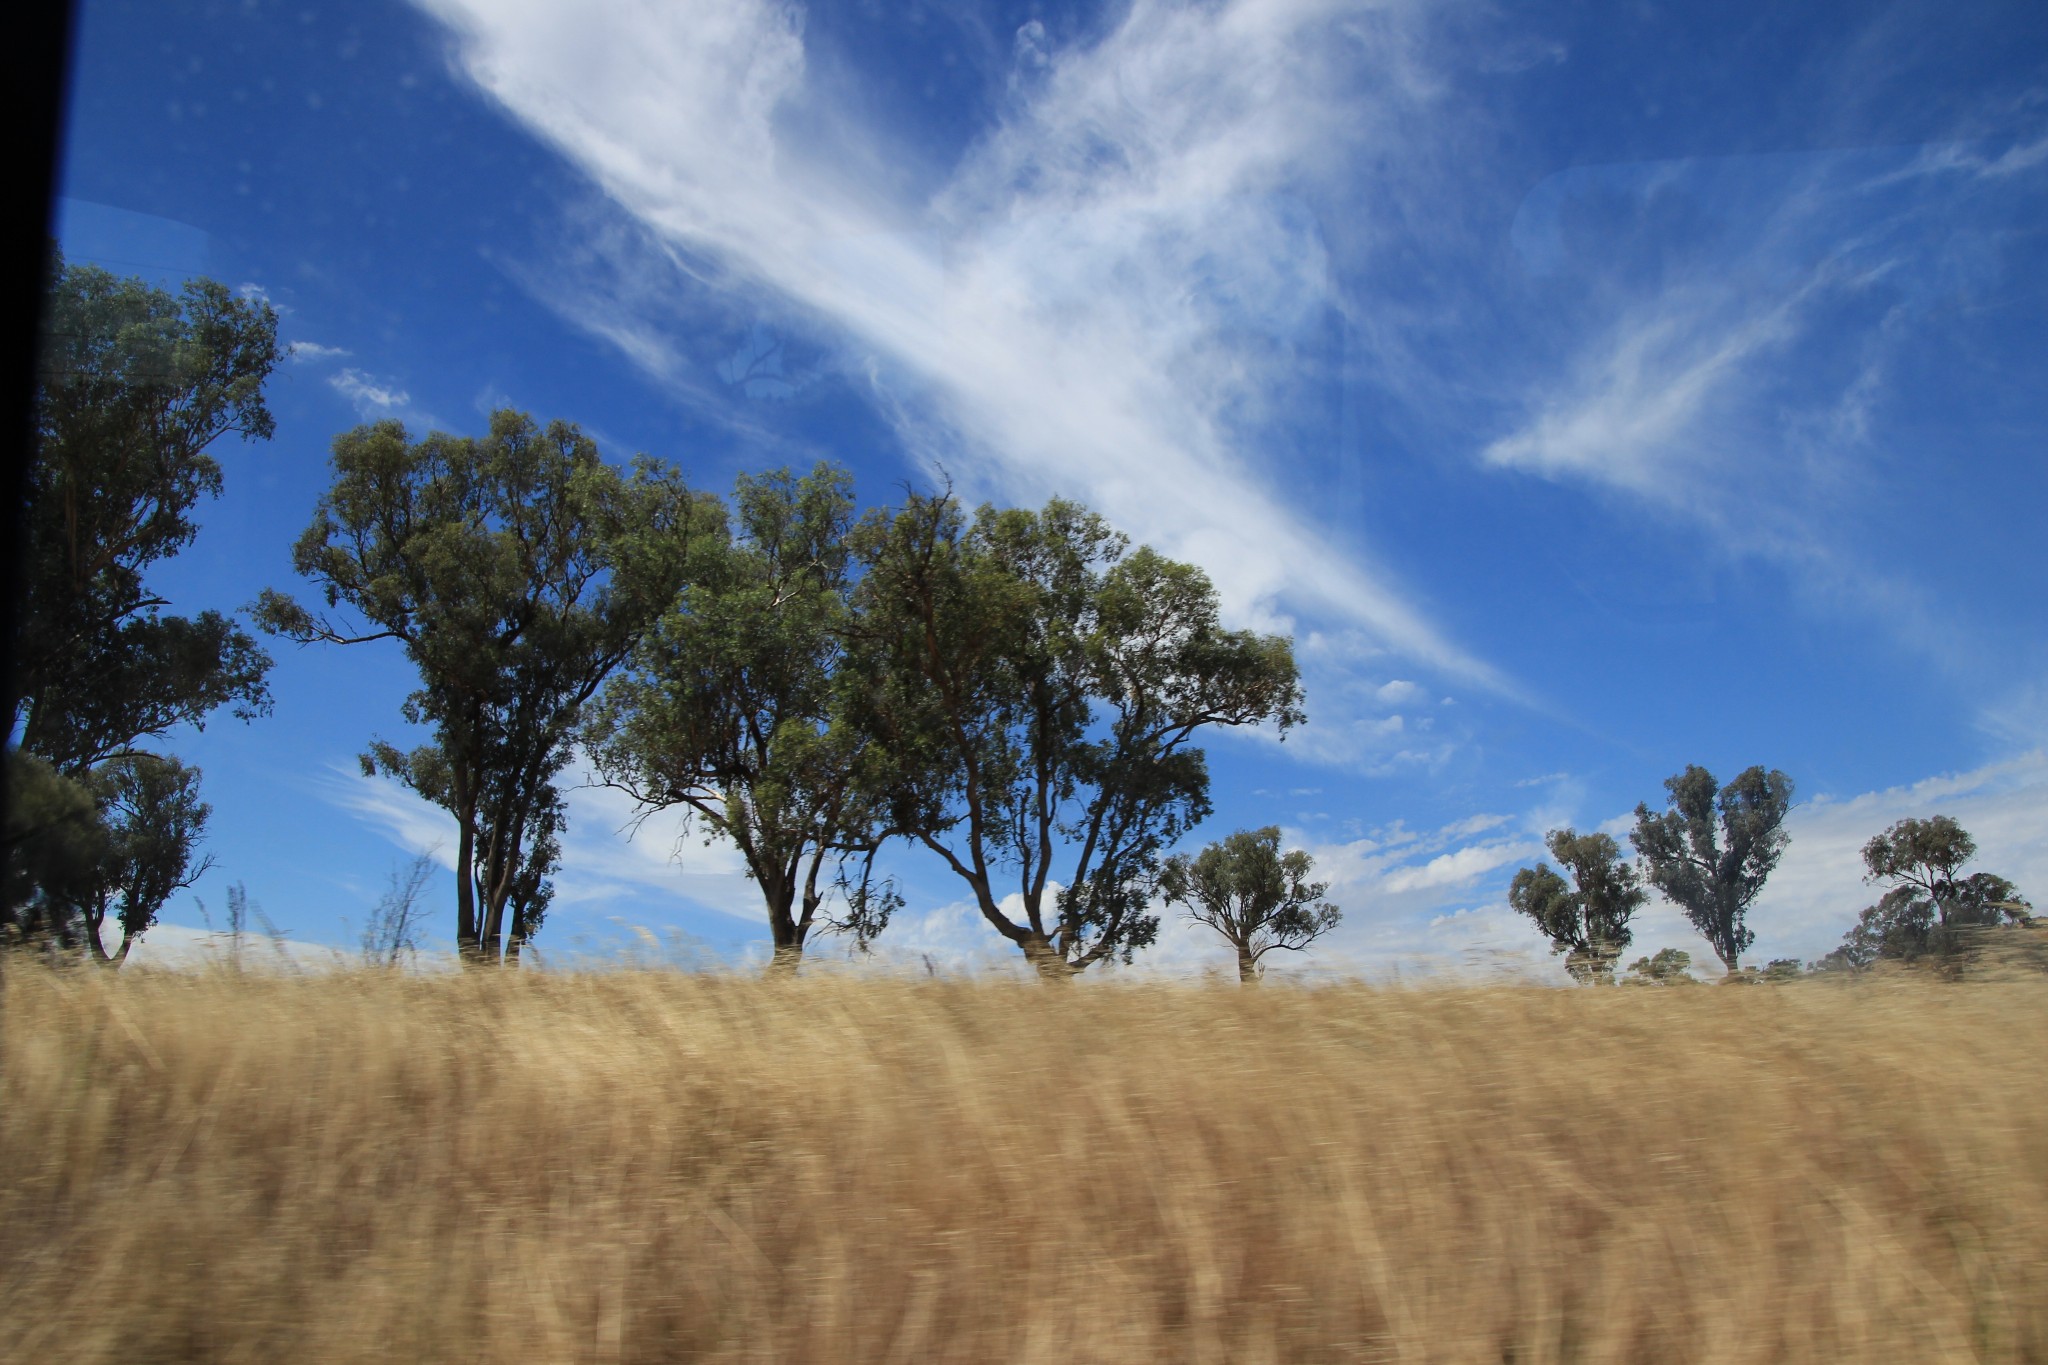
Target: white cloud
{"type": "Point", "coordinates": [302, 351]}
{"type": "Point", "coordinates": [1742, 381]}
{"type": "Point", "coordinates": [1965, 158]}
{"type": "Point", "coordinates": [608, 849]}
{"type": "Point", "coordinates": [1633, 415]}
{"type": "Point", "coordinates": [173, 945]}
{"type": "Point", "coordinates": [1031, 48]}
{"type": "Point", "coordinates": [400, 814]}
{"type": "Point", "coordinates": [372, 397]}
{"type": "Point", "coordinates": [1094, 304]}
{"type": "Point", "coordinates": [1399, 692]}
{"type": "Point", "coordinates": [1455, 869]}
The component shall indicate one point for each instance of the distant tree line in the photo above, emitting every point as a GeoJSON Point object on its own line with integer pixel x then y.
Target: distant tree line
{"type": "Point", "coordinates": [1710, 851]}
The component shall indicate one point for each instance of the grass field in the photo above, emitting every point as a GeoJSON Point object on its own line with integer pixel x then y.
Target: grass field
{"type": "Point", "coordinates": [653, 1166]}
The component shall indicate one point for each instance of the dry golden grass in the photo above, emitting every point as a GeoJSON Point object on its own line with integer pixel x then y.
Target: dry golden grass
{"type": "Point", "coordinates": [654, 1167]}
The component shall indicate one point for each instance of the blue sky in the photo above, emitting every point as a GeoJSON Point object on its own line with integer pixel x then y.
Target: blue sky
{"type": "Point", "coordinates": [1589, 389]}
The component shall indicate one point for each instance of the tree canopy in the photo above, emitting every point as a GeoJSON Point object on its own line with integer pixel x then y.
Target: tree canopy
{"type": "Point", "coordinates": [135, 385]}
{"type": "Point", "coordinates": [1712, 849]}
{"type": "Point", "coordinates": [1257, 897]}
{"type": "Point", "coordinates": [1587, 919]}
{"type": "Point", "coordinates": [1035, 687]}
{"type": "Point", "coordinates": [517, 570]}
{"type": "Point", "coordinates": [1930, 908]}
{"type": "Point", "coordinates": [133, 388]}
{"type": "Point", "coordinates": [734, 709]}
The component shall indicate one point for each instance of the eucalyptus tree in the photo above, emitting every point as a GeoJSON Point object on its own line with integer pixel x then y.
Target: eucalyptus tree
{"type": "Point", "coordinates": [1929, 906]}
{"type": "Point", "coordinates": [1712, 849]}
{"type": "Point", "coordinates": [1587, 918]}
{"type": "Point", "coordinates": [134, 386]}
{"type": "Point", "coordinates": [1924, 858]}
{"type": "Point", "coordinates": [517, 571]}
{"type": "Point", "coordinates": [1257, 897]}
{"type": "Point", "coordinates": [154, 819]}
{"type": "Point", "coordinates": [733, 710]}
{"type": "Point", "coordinates": [1034, 688]}
{"type": "Point", "coordinates": [109, 850]}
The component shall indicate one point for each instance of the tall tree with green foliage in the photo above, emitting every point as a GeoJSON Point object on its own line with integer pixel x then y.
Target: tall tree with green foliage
{"type": "Point", "coordinates": [734, 710]}
{"type": "Point", "coordinates": [517, 570]}
{"type": "Point", "coordinates": [1035, 689]}
{"type": "Point", "coordinates": [1257, 897]}
{"type": "Point", "coordinates": [1587, 918]}
{"type": "Point", "coordinates": [135, 386]}
{"type": "Point", "coordinates": [1930, 908]}
{"type": "Point", "coordinates": [1712, 849]}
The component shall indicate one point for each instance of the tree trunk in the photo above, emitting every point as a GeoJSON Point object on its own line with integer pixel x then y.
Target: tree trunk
{"type": "Point", "coordinates": [95, 948]}
{"type": "Point", "coordinates": [778, 889]}
{"type": "Point", "coordinates": [1051, 965]}
{"type": "Point", "coordinates": [466, 945]}
{"type": "Point", "coordinates": [1247, 966]}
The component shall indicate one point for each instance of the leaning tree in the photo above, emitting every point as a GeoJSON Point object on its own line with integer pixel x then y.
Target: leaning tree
{"type": "Point", "coordinates": [517, 570]}
{"type": "Point", "coordinates": [1712, 849]}
{"type": "Point", "coordinates": [1034, 689]}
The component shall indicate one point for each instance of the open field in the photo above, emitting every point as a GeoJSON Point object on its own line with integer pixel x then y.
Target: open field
{"type": "Point", "coordinates": [650, 1167]}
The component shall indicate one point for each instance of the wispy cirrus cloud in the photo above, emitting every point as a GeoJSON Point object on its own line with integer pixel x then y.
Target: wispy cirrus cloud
{"type": "Point", "coordinates": [372, 397]}
{"type": "Point", "coordinates": [1738, 335]}
{"type": "Point", "coordinates": [1104, 297]}
{"type": "Point", "coordinates": [302, 352]}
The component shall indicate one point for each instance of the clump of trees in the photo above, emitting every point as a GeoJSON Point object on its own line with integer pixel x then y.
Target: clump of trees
{"type": "Point", "coordinates": [1668, 967]}
{"type": "Point", "coordinates": [1016, 690]}
{"type": "Point", "coordinates": [1034, 687]}
{"type": "Point", "coordinates": [1710, 853]}
{"type": "Point", "coordinates": [134, 387]}
{"type": "Point", "coordinates": [1259, 899]}
{"type": "Point", "coordinates": [1931, 912]}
